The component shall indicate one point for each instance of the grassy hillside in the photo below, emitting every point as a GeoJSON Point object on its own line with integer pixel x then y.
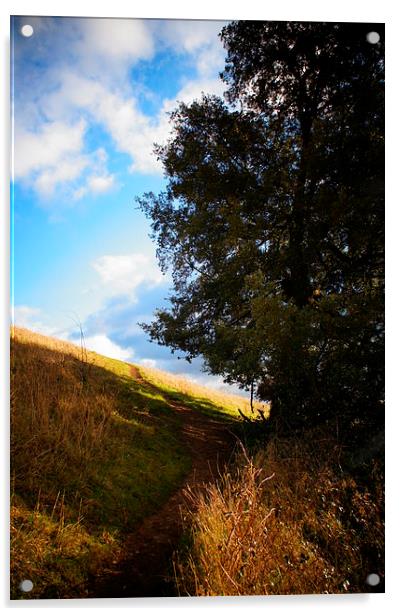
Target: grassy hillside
{"type": "Point", "coordinates": [96, 447]}
{"type": "Point", "coordinates": [211, 402]}
{"type": "Point", "coordinates": [93, 451]}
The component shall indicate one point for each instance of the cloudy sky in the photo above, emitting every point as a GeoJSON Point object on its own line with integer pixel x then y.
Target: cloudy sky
{"type": "Point", "coordinates": [90, 98]}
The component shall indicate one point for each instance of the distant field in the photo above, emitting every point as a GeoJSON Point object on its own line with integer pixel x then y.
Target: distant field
{"type": "Point", "coordinates": [93, 451]}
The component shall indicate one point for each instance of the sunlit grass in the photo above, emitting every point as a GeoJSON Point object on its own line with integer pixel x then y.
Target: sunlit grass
{"type": "Point", "coordinates": [81, 426]}
{"type": "Point", "coordinates": [87, 434]}
{"type": "Point", "coordinates": [207, 399]}
{"type": "Point", "coordinates": [56, 555]}
{"type": "Point", "coordinates": [287, 521]}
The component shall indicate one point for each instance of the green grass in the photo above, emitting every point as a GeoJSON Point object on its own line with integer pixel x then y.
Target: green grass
{"type": "Point", "coordinates": [216, 404]}
{"type": "Point", "coordinates": [94, 452]}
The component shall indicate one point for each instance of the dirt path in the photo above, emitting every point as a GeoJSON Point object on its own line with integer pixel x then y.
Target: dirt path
{"type": "Point", "coordinates": [143, 571]}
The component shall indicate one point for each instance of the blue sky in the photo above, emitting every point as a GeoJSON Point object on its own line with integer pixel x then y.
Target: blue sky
{"type": "Point", "coordinates": [90, 98]}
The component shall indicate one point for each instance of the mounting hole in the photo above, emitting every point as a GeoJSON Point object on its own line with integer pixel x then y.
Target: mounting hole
{"type": "Point", "coordinates": [373, 37]}
{"type": "Point", "coordinates": [26, 585]}
{"type": "Point", "coordinates": [373, 579]}
{"type": "Point", "coordinates": [27, 30]}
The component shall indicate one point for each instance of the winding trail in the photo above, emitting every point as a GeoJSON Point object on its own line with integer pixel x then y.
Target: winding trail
{"type": "Point", "coordinates": [143, 572]}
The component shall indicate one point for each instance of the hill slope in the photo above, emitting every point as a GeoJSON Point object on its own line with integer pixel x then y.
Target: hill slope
{"type": "Point", "coordinates": [97, 445]}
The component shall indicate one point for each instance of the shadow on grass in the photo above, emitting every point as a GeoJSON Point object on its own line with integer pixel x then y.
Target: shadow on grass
{"type": "Point", "coordinates": [137, 461]}
{"type": "Point", "coordinates": [94, 451]}
{"type": "Point", "coordinates": [203, 405]}
{"type": "Point", "coordinates": [134, 466]}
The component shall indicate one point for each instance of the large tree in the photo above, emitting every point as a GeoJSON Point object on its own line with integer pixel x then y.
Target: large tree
{"type": "Point", "coordinates": [272, 220]}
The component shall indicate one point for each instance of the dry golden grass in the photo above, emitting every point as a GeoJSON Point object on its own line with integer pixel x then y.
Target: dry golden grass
{"type": "Point", "coordinates": [287, 522]}
{"type": "Point", "coordinates": [56, 554]}
{"type": "Point", "coordinates": [93, 451]}
{"type": "Point", "coordinates": [228, 403]}
{"type": "Point", "coordinates": [56, 419]}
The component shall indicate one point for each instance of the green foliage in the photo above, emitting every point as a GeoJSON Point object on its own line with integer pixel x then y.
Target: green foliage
{"type": "Point", "coordinates": [273, 223]}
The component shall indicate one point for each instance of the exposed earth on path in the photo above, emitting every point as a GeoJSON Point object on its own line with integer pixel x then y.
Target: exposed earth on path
{"type": "Point", "coordinates": [144, 570]}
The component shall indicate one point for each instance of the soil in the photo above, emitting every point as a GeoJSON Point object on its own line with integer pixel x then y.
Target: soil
{"type": "Point", "coordinates": [145, 569]}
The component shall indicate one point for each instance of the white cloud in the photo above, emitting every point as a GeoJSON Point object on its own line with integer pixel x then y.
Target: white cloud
{"type": "Point", "coordinates": [95, 184]}
{"type": "Point", "coordinates": [100, 343]}
{"type": "Point", "coordinates": [88, 85]}
{"type": "Point", "coordinates": [122, 274]}
{"type": "Point", "coordinates": [193, 90]}
{"type": "Point", "coordinates": [189, 35]}
{"type": "Point", "coordinates": [108, 41]}
{"type": "Point", "coordinates": [50, 156]}
{"type": "Point", "coordinates": [132, 131]}
{"type": "Point", "coordinates": [100, 181]}
{"type": "Point", "coordinates": [66, 171]}
{"type": "Point", "coordinates": [34, 319]}
{"type": "Point", "coordinates": [199, 39]}
{"type": "Point", "coordinates": [26, 316]}
{"type": "Point", "coordinates": [148, 363]}
{"type": "Point", "coordinates": [210, 61]}
{"type": "Point", "coordinates": [46, 147]}
{"type": "Point", "coordinates": [100, 184]}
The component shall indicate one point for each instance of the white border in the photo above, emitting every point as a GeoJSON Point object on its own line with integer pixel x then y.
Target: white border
{"type": "Point", "coordinates": [318, 10]}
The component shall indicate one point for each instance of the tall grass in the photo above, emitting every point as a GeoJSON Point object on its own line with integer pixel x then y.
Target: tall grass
{"type": "Point", "coordinates": [92, 453]}
{"type": "Point", "coordinates": [57, 419]}
{"type": "Point", "coordinates": [287, 521]}
{"type": "Point", "coordinates": [57, 554]}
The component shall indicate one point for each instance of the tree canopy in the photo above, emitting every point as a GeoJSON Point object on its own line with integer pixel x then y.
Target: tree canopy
{"type": "Point", "coordinates": [272, 221]}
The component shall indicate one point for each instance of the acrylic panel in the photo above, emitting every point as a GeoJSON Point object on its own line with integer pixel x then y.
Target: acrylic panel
{"type": "Point", "coordinates": [197, 340]}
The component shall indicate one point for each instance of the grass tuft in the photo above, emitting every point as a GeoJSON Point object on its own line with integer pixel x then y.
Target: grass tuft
{"type": "Point", "coordinates": [287, 521]}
